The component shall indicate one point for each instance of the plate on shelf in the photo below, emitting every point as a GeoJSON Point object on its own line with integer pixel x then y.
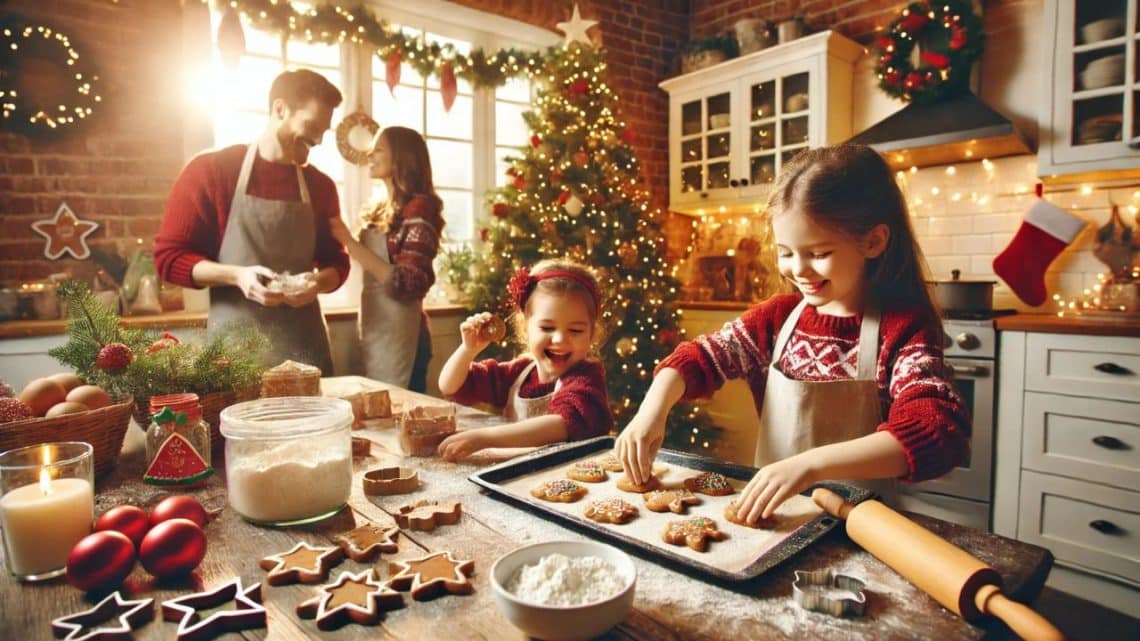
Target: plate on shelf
{"type": "Point", "coordinates": [1099, 30]}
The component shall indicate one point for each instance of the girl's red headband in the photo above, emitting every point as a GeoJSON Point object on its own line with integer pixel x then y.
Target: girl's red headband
{"type": "Point", "coordinates": [523, 282]}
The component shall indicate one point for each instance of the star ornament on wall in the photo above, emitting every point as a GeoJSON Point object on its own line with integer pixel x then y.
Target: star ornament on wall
{"type": "Point", "coordinates": [576, 29]}
{"type": "Point", "coordinates": [65, 233]}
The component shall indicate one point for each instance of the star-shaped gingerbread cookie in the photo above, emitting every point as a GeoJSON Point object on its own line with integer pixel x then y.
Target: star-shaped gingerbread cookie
{"type": "Point", "coordinates": [248, 613]}
{"type": "Point", "coordinates": [353, 598]}
{"type": "Point", "coordinates": [676, 501]}
{"type": "Point", "coordinates": [427, 515]}
{"type": "Point", "coordinates": [367, 541]}
{"type": "Point", "coordinates": [695, 533]}
{"type": "Point", "coordinates": [111, 619]}
{"type": "Point", "coordinates": [302, 564]}
{"type": "Point", "coordinates": [432, 575]}
{"type": "Point", "coordinates": [711, 483]}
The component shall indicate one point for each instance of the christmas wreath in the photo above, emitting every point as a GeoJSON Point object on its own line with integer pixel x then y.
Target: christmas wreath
{"type": "Point", "coordinates": [950, 38]}
{"type": "Point", "coordinates": [46, 87]}
{"type": "Point", "coordinates": [356, 128]}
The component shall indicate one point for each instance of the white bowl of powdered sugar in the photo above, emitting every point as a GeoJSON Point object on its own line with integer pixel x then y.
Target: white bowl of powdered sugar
{"type": "Point", "coordinates": [564, 590]}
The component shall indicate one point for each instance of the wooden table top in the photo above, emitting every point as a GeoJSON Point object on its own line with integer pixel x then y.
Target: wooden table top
{"type": "Point", "coordinates": [669, 604]}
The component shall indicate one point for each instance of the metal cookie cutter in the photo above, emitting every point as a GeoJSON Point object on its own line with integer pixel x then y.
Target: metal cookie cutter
{"type": "Point", "coordinates": [828, 592]}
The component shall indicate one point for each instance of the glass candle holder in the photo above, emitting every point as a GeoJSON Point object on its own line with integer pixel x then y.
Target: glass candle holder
{"type": "Point", "coordinates": [47, 504]}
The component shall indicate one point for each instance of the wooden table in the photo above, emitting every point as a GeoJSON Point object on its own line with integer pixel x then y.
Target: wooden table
{"type": "Point", "coordinates": [669, 605]}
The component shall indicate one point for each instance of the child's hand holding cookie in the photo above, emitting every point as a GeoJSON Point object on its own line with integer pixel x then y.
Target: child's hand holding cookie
{"type": "Point", "coordinates": [480, 330]}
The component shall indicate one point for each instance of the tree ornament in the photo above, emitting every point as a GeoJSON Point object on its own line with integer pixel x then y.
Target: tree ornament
{"type": "Point", "coordinates": [447, 86]}
{"type": "Point", "coordinates": [951, 38]}
{"type": "Point", "coordinates": [555, 176]}
{"type": "Point", "coordinates": [581, 158]}
{"type": "Point", "coordinates": [573, 205]}
{"type": "Point", "coordinates": [500, 210]}
{"type": "Point", "coordinates": [114, 357]}
{"type": "Point", "coordinates": [563, 197]}
{"type": "Point", "coordinates": [485, 234]}
{"type": "Point", "coordinates": [625, 346]}
{"type": "Point", "coordinates": [65, 234]}
{"type": "Point", "coordinates": [597, 198]}
{"type": "Point", "coordinates": [47, 88]}
{"type": "Point", "coordinates": [628, 254]}
{"type": "Point", "coordinates": [579, 87]}
{"type": "Point", "coordinates": [576, 28]}
{"type": "Point", "coordinates": [392, 71]}
{"type": "Point", "coordinates": [520, 182]}
{"type": "Point", "coordinates": [231, 38]}
{"type": "Point", "coordinates": [354, 136]}
{"type": "Point", "coordinates": [668, 337]}
{"type": "Point", "coordinates": [548, 228]}
{"type": "Point", "coordinates": [535, 140]}
{"type": "Point", "coordinates": [628, 135]}
{"type": "Point", "coordinates": [100, 561]}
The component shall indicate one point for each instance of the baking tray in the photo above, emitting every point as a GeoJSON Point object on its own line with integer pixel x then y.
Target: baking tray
{"type": "Point", "coordinates": [493, 478]}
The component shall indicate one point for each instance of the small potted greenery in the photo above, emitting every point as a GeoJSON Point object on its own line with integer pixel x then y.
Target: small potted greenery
{"type": "Point", "coordinates": [704, 52]}
{"type": "Point", "coordinates": [456, 265]}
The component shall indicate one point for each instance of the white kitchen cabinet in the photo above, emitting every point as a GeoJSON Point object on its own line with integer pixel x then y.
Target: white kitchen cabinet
{"type": "Point", "coordinates": [733, 125]}
{"type": "Point", "coordinates": [1090, 118]}
{"type": "Point", "coordinates": [1067, 465]}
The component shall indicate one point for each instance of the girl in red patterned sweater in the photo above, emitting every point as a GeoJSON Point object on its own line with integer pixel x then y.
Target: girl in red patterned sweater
{"type": "Point", "coordinates": [554, 392]}
{"type": "Point", "coordinates": [847, 376]}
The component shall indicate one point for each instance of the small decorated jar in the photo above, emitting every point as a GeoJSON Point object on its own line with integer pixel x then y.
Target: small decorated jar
{"type": "Point", "coordinates": [177, 442]}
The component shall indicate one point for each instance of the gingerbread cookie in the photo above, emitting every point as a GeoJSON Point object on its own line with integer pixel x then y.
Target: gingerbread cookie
{"type": "Point", "coordinates": [587, 472]}
{"type": "Point", "coordinates": [302, 564]}
{"type": "Point", "coordinates": [559, 491]}
{"type": "Point", "coordinates": [626, 485]}
{"type": "Point", "coordinates": [676, 501]}
{"type": "Point", "coordinates": [367, 541]}
{"type": "Point", "coordinates": [361, 446]}
{"type": "Point", "coordinates": [610, 462]}
{"type": "Point", "coordinates": [492, 329]}
{"type": "Point", "coordinates": [612, 510]}
{"type": "Point", "coordinates": [353, 598]}
{"type": "Point", "coordinates": [711, 483]}
{"type": "Point", "coordinates": [427, 515]}
{"type": "Point", "coordinates": [386, 481]}
{"type": "Point", "coordinates": [761, 524]}
{"type": "Point", "coordinates": [695, 532]}
{"type": "Point", "coordinates": [432, 575]}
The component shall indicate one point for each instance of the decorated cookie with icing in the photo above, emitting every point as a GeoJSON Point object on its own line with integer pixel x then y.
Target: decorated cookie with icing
{"type": "Point", "coordinates": [695, 532]}
{"type": "Point", "coordinates": [302, 564]}
{"type": "Point", "coordinates": [367, 541]}
{"type": "Point", "coordinates": [611, 510]}
{"type": "Point", "coordinates": [433, 575]}
{"type": "Point", "coordinates": [711, 483]}
{"type": "Point", "coordinates": [761, 524]}
{"type": "Point", "coordinates": [559, 491]}
{"type": "Point", "coordinates": [609, 462]}
{"type": "Point", "coordinates": [427, 515]}
{"type": "Point", "coordinates": [587, 472]}
{"type": "Point", "coordinates": [626, 485]}
{"type": "Point", "coordinates": [352, 598]}
{"type": "Point", "coordinates": [676, 501]}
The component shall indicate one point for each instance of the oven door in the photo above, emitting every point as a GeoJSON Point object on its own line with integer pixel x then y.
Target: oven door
{"type": "Point", "coordinates": [974, 380]}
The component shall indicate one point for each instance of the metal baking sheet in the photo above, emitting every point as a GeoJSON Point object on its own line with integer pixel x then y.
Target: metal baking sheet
{"type": "Point", "coordinates": [509, 480]}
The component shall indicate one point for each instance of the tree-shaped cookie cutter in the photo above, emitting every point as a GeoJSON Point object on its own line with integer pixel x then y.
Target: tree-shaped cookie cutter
{"type": "Point", "coordinates": [829, 592]}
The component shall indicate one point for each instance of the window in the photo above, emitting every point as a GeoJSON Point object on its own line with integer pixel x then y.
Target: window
{"type": "Point", "coordinates": [467, 144]}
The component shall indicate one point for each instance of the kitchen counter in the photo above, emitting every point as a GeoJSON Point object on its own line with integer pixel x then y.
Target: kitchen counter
{"type": "Point", "coordinates": [1053, 324]}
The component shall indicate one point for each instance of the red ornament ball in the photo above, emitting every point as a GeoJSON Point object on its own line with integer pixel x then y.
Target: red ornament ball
{"type": "Point", "coordinates": [581, 158]}
{"type": "Point", "coordinates": [173, 548]}
{"type": "Point", "coordinates": [178, 507]}
{"type": "Point", "coordinates": [579, 87]}
{"type": "Point", "coordinates": [500, 210]}
{"type": "Point", "coordinates": [520, 183]}
{"type": "Point", "coordinates": [628, 135]}
{"type": "Point", "coordinates": [125, 519]}
{"type": "Point", "coordinates": [100, 561]}
{"type": "Point", "coordinates": [555, 176]}
{"type": "Point", "coordinates": [113, 357]}
{"type": "Point", "coordinates": [535, 140]}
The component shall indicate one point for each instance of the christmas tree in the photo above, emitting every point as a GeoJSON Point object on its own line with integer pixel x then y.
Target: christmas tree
{"type": "Point", "coordinates": [575, 192]}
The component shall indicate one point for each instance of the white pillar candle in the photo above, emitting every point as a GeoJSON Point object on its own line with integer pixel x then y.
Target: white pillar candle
{"type": "Point", "coordinates": [43, 521]}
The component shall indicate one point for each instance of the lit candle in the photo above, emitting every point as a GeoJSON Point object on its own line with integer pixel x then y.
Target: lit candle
{"type": "Point", "coordinates": [43, 520]}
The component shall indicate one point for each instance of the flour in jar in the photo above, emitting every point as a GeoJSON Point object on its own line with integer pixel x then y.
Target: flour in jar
{"type": "Point", "coordinates": [561, 580]}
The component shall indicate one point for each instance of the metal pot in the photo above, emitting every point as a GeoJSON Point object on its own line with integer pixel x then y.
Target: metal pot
{"type": "Point", "coordinates": [957, 295]}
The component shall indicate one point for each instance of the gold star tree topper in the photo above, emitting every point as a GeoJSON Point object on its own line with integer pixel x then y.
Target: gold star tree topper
{"type": "Point", "coordinates": [576, 29]}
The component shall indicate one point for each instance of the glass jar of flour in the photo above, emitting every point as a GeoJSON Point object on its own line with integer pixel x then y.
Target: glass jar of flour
{"type": "Point", "coordinates": [288, 459]}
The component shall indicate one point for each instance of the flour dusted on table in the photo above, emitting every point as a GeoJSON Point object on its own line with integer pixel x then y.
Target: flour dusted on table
{"type": "Point", "coordinates": [561, 580]}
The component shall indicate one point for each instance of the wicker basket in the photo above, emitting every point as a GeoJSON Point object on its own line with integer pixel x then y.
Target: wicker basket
{"type": "Point", "coordinates": [212, 406]}
{"type": "Point", "coordinates": [103, 428]}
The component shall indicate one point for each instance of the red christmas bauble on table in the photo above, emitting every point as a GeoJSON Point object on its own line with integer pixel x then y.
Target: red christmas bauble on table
{"type": "Point", "coordinates": [127, 519]}
{"type": "Point", "coordinates": [173, 548]}
{"type": "Point", "coordinates": [100, 561]}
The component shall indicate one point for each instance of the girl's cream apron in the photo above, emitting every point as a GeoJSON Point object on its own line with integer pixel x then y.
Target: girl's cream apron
{"type": "Point", "coordinates": [389, 329]}
{"type": "Point", "coordinates": [281, 235]}
{"type": "Point", "coordinates": [800, 415]}
{"type": "Point", "coordinates": [519, 408]}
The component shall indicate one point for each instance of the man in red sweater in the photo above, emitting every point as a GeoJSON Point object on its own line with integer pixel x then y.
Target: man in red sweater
{"type": "Point", "coordinates": [239, 218]}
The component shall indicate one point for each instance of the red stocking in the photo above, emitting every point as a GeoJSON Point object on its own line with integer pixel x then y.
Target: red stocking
{"type": "Point", "coordinates": [1044, 233]}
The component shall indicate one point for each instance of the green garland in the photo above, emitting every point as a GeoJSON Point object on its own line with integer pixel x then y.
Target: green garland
{"type": "Point", "coordinates": [331, 24]}
{"type": "Point", "coordinates": [20, 41]}
{"type": "Point", "coordinates": [951, 37]}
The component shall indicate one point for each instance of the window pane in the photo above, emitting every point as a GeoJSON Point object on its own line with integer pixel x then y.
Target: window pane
{"type": "Point", "coordinates": [457, 207]}
{"type": "Point", "coordinates": [454, 124]}
{"type": "Point", "coordinates": [516, 89]}
{"type": "Point", "coordinates": [238, 128]}
{"type": "Point", "coordinates": [509, 126]}
{"type": "Point", "coordinates": [307, 54]}
{"type": "Point", "coordinates": [451, 163]}
{"type": "Point", "coordinates": [404, 109]}
{"type": "Point", "coordinates": [257, 42]}
{"type": "Point", "coordinates": [247, 87]}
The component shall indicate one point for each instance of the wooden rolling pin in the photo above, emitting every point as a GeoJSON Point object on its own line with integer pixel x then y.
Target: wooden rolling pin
{"type": "Point", "coordinates": [956, 579]}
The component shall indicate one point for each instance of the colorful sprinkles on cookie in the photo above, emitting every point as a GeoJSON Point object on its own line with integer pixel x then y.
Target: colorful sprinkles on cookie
{"type": "Point", "coordinates": [562, 490]}
{"type": "Point", "coordinates": [588, 471]}
{"type": "Point", "coordinates": [611, 510]}
{"type": "Point", "coordinates": [712, 483]}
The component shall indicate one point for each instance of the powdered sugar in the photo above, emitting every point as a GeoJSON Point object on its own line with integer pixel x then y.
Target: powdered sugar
{"type": "Point", "coordinates": [561, 580]}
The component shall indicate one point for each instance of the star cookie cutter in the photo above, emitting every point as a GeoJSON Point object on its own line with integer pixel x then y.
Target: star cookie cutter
{"type": "Point", "coordinates": [385, 481]}
{"type": "Point", "coordinates": [426, 516]}
{"type": "Point", "coordinates": [352, 598]}
{"type": "Point", "coordinates": [128, 616]}
{"type": "Point", "coordinates": [247, 614]}
{"type": "Point", "coordinates": [829, 592]}
{"type": "Point", "coordinates": [301, 564]}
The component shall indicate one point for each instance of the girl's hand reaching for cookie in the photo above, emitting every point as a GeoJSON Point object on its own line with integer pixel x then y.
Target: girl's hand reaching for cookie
{"type": "Point", "coordinates": [774, 484]}
{"type": "Point", "coordinates": [475, 339]}
{"type": "Point", "coordinates": [461, 445]}
{"type": "Point", "coordinates": [637, 445]}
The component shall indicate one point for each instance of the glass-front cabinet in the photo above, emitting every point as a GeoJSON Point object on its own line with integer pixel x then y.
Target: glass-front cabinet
{"type": "Point", "coordinates": [1092, 120]}
{"type": "Point", "coordinates": [732, 126]}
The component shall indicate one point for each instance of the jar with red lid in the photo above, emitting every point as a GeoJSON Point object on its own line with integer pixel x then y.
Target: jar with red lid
{"type": "Point", "coordinates": [177, 442]}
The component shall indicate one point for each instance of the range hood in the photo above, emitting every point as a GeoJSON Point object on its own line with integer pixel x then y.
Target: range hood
{"type": "Point", "coordinates": [961, 128]}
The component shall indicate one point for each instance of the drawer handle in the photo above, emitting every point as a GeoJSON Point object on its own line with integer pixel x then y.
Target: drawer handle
{"type": "Point", "coordinates": [1105, 527]}
{"type": "Point", "coordinates": [1112, 368]}
{"type": "Point", "coordinates": [1109, 442]}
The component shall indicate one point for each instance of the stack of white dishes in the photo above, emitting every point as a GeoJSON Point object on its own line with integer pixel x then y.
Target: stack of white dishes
{"type": "Point", "coordinates": [1103, 72]}
{"type": "Point", "coordinates": [1102, 30]}
{"type": "Point", "coordinates": [1101, 128]}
